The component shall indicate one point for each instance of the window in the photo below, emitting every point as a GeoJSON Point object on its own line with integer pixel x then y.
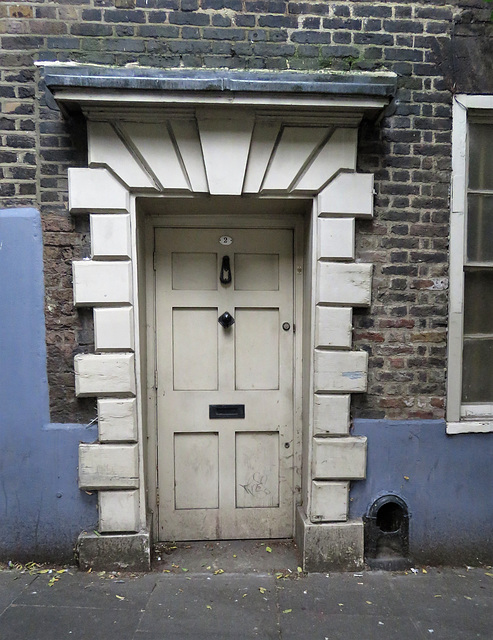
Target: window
{"type": "Point", "coordinates": [470, 362]}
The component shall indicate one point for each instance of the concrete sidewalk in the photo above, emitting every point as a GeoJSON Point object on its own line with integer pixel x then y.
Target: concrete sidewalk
{"type": "Point", "coordinates": [264, 597]}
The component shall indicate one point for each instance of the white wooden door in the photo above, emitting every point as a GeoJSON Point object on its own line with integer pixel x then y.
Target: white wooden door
{"type": "Point", "coordinates": [222, 475]}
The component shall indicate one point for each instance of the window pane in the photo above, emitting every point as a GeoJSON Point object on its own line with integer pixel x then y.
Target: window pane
{"type": "Point", "coordinates": [480, 156]}
{"type": "Point", "coordinates": [477, 374]}
{"type": "Point", "coordinates": [478, 302]}
{"type": "Point", "coordinates": [480, 228]}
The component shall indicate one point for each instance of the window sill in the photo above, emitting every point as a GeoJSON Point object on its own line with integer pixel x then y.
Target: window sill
{"type": "Point", "coordinates": [470, 426]}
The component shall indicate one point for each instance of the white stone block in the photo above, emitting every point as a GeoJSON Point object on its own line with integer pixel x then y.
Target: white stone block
{"type": "Point", "coordinates": [344, 283]}
{"type": "Point", "coordinates": [104, 375]}
{"type": "Point", "coordinates": [336, 238]}
{"type": "Point", "coordinates": [331, 416]}
{"type": "Point", "coordinates": [348, 194]}
{"type": "Point", "coordinates": [108, 466]}
{"type": "Point", "coordinates": [118, 511]}
{"type": "Point", "coordinates": [99, 283]}
{"type": "Point", "coordinates": [225, 145]}
{"type": "Point", "coordinates": [117, 419]}
{"type": "Point", "coordinates": [329, 501]}
{"type": "Point", "coordinates": [92, 190]}
{"type": "Point", "coordinates": [110, 236]}
{"type": "Point", "coordinates": [333, 327]}
{"type": "Point", "coordinates": [106, 147]}
{"type": "Point", "coordinates": [339, 458]}
{"type": "Point", "coordinates": [113, 329]}
{"type": "Point", "coordinates": [340, 371]}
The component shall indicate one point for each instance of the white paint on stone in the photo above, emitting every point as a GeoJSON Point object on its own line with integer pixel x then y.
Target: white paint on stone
{"type": "Point", "coordinates": [108, 466]}
{"type": "Point", "coordinates": [336, 238]}
{"type": "Point", "coordinates": [110, 236]}
{"type": "Point", "coordinates": [339, 153]}
{"type": "Point", "coordinates": [113, 329]}
{"type": "Point", "coordinates": [331, 415]}
{"type": "Point", "coordinates": [101, 283]}
{"type": "Point", "coordinates": [104, 374]}
{"type": "Point", "coordinates": [329, 501]}
{"type": "Point", "coordinates": [347, 284]}
{"type": "Point", "coordinates": [118, 511]}
{"type": "Point", "coordinates": [225, 145]}
{"type": "Point", "coordinates": [333, 327]}
{"type": "Point", "coordinates": [95, 190]}
{"type": "Point", "coordinates": [117, 419]}
{"type": "Point", "coordinates": [339, 458]}
{"type": "Point", "coordinates": [348, 194]}
{"type": "Point", "coordinates": [340, 371]}
{"type": "Point", "coordinates": [107, 149]}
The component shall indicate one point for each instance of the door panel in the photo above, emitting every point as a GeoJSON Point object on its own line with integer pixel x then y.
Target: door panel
{"type": "Point", "coordinates": [257, 349]}
{"type": "Point", "coordinates": [194, 332]}
{"type": "Point", "coordinates": [228, 477]}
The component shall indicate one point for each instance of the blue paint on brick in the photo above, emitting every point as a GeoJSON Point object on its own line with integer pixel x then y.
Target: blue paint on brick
{"type": "Point", "coordinates": [41, 508]}
{"type": "Point", "coordinates": [449, 492]}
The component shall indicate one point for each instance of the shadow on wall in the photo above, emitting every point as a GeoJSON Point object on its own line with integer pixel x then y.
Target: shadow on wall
{"type": "Point", "coordinates": [42, 511]}
{"type": "Point", "coordinates": [445, 481]}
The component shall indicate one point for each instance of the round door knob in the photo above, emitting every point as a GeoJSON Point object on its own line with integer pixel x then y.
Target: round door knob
{"type": "Point", "coordinates": [286, 326]}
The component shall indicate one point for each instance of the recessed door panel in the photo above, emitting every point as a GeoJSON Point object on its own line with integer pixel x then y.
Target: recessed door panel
{"type": "Point", "coordinates": [257, 349]}
{"type": "Point", "coordinates": [224, 394]}
{"type": "Point", "coordinates": [194, 349]}
{"type": "Point", "coordinates": [257, 469]}
{"type": "Point", "coordinates": [194, 271]}
{"type": "Point", "coordinates": [257, 272]}
{"type": "Point", "coordinates": [196, 464]}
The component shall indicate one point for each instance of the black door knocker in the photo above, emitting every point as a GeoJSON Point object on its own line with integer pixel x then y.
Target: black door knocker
{"type": "Point", "coordinates": [225, 275]}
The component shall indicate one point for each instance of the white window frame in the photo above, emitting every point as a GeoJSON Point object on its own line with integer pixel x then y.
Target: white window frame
{"type": "Point", "coordinates": [462, 418]}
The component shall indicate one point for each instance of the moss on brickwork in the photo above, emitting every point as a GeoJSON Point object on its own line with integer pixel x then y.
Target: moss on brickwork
{"type": "Point", "coordinates": [436, 48]}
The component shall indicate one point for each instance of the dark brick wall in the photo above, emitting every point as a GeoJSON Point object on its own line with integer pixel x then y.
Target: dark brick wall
{"type": "Point", "coordinates": [436, 48]}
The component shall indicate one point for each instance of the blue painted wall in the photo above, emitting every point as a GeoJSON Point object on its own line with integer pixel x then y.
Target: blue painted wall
{"type": "Point", "coordinates": [449, 492]}
{"type": "Point", "coordinates": [41, 508]}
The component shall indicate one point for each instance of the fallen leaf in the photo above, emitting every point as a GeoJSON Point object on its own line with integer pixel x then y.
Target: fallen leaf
{"type": "Point", "coordinates": [424, 571]}
{"type": "Point", "coordinates": [262, 589]}
{"type": "Point", "coordinates": [244, 595]}
{"type": "Point", "coordinates": [268, 549]}
{"type": "Point", "coordinates": [369, 602]}
{"type": "Point", "coordinates": [120, 597]}
{"type": "Point", "coordinates": [183, 569]}
{"type": "Point", "coordinates": [300, 570]}
{"type": "Point", "coordinates": [208, 606]}
{"type": "Point", "coordinates": [467, 597]}
{"type": "Point", "coordinates": [209, 568]}
{"type": "Point", "coordinates": [437, 596]}
{"type": "Point", "coordinates": [234, 555]}
{"type": "Point", "coordinates": [489, 574]}
{"type": "Point", "coordinates": [406, 477]}
{"type": "Point", "coordinates": [287, 610]}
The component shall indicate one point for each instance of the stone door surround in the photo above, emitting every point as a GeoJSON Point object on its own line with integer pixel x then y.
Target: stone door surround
{"type": "Point", "coordinates": [190, 133]}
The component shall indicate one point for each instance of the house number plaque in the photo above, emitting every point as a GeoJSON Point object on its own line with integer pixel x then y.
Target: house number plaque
{"type": "Point", "coordinates": [225, 240]}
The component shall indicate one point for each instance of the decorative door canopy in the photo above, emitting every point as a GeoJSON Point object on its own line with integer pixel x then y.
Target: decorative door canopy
{"type": "Point", "coordinates": [133, 90]}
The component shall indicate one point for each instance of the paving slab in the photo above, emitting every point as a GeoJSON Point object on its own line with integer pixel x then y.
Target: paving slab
{"type": "Point", "coordinates": [89, 590]}
{"type": "Point", "coordinates": [12, 584]}
{"type": "Point", "coordinates": [221, 606]}
{"type": "Point", "coordinates": [21, 622]}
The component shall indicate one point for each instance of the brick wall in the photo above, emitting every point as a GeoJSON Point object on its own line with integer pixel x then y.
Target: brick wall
{"type": "Point", "coordinates": [435, 47]}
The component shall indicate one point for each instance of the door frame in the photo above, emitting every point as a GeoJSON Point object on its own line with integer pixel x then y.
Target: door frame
{"type": "Point", "coordinates": [294, 222]}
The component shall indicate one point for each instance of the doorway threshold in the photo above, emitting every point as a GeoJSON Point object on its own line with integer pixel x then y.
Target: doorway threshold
{"type": "Point", "coordinates": [228, 556]}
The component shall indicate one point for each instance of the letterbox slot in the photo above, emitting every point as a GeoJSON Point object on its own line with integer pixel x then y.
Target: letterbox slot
{"type": "Point", "coordinates": [226, 411]}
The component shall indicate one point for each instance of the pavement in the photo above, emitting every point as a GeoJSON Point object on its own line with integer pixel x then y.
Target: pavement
{"type": "Point", "coordinates": [239, 591]}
